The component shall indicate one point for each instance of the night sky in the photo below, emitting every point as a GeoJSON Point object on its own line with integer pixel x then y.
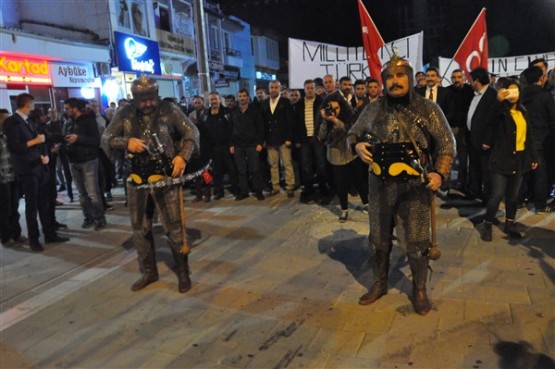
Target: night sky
{"type": "Point", "coordinates": [515, 27]}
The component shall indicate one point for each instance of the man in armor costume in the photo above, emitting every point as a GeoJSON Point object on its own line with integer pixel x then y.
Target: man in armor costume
{"type": "Point", "coordinates": [158, 141]}
{"type": "Point", "coordinates": [406, 141]}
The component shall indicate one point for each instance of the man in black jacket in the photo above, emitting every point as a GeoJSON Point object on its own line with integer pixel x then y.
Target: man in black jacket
{"type": "Point", "coordinates": [433, 90]}
{"type": "Point", "coordinates": [30, 160]}
{"type": "Point", "coordinates": [541, 110]}
{"type": "Point", "coordinates": [215, 128]}
{"type": "Point", "coordinates": [313, 153]}
{"type": "Point", "coordinates": [83, 141]}
{"type": "Point", "coordinates": [246, 144]}
{"type": "Point", "coordinates": [481, 114]}
{"type": "Point", "coordinates": [460, 96]}
{"type": "Point", "coordinates": [278, 117]}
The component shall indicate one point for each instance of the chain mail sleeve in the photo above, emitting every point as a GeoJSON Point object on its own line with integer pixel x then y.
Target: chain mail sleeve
{"type": "Point", "coordinates": [363, 125]}
{"type": "Point", "coordinates": [187, 133]}
{"type": "Point", "coordinates": [444, 151]}
{"type": "Point", "coordinates": [115, 136]}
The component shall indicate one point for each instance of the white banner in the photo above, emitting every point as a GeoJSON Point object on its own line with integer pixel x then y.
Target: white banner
{"type": "Point", "coordinates": [311, 59]}
{"type": "Point", "coordinates": [503, 67]}
{"type": "Point", "coordinates": [73, 75]}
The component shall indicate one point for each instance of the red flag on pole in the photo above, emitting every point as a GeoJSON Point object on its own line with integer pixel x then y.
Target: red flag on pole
{"type": "Point", "coordinates": [473, 51]}
{"type": "Point", "coordinates": [372, 42]}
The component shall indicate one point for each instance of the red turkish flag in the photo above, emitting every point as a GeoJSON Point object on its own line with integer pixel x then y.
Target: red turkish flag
{"type": "Point", "coordinates": [473, 51]}
{"type": "Point", "coordinates": [372, 42]}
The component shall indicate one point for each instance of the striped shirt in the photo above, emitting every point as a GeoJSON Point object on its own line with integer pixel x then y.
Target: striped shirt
{"type": "Point", "coordinates": [309, 116]}
{"type": "Point", "coordinates": [6, 168]}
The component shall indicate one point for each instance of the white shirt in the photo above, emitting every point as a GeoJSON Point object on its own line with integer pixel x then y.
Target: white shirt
{"type": "Point", "coordinates": [473, 104]}
{"type": "Point", "coordinates": [435, 93]}
{"type": "Point", "coordinates": [273, 104]}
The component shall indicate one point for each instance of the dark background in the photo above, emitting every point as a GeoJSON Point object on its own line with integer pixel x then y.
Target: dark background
{"type": "Point", "coordinates": [515, 27]}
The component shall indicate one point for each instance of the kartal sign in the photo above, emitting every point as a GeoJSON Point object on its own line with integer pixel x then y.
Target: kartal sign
{"type": "Point", "coordinates": [22, 70]}
{"type": "Point", "coordinates": [137, 54]}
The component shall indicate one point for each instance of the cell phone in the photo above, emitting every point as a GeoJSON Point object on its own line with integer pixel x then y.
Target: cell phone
{"type": "Point", "coordinates": [513, 92]}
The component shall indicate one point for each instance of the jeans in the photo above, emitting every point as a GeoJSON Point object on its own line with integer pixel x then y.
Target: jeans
{"type": "Point", "coordinates": [85, 176]}
{"type": "Point", "coordinates": [503, 185]}
{"type": "Point", "coordinates": [313, 161]}
{"type": "Point", "coordinates": [275, 153]}
{"type": "Point", "coordinates": [247, 162]}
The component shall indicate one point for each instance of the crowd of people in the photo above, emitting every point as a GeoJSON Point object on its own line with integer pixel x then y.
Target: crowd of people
{"type": "Point", "coordinates": [323, 140]}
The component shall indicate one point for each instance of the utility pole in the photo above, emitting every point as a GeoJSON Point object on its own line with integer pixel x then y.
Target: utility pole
{"type": "Point", "coordinates": [201, 48]}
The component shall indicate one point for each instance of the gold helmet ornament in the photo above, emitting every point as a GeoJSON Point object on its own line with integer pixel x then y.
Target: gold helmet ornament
{"type": "Point", "coordinates": [144, 88]}
{"type": "Point", "coordinates": [395, 63]}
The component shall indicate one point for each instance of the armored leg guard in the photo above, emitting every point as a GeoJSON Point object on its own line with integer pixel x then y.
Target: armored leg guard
{"type": "Point", "coordinates": [419, 269]}
{"type": "Point", "coordinates": [150, 272]}
{"type": "Point", "coordinates": [182, 270]}
{"type": "Point", "coordinates": [381, 270]}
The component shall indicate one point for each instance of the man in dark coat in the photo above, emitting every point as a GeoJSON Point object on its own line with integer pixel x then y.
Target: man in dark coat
{"type": "Point", "coordinates": [541, 109]}
{"type": "Point", "coordinates": [479, 120]}
{"type": "Point", "coordinates": [30, 163]}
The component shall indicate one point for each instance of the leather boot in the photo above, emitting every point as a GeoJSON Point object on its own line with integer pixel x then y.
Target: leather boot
{"type": "Point", "coordinates": [510, 229]}
{"type": "Point", "coordinates": [419, 269]}
{"type": "Point", "coordinates": [150, 273]}
{"type": "Point", "coordinates": [182, 271]}
{"type": "Point", "coordinates": [381, 269]}
{"type": "Point", "coordinates": [487, 232]}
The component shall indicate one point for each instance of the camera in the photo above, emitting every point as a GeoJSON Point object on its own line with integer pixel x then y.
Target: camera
{"type": "Point", "coordinates": [328, 110]}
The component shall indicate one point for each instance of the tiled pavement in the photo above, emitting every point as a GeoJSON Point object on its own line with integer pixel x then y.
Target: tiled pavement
{"type": "Point", "coordinates": [276, 285]}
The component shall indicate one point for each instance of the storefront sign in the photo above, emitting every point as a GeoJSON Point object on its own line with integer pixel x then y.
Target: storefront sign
{"type": "Point", "coordinates": [73, 75]}
{"type": "Point", "coordinates": [215, 66]}
{"type": "Point", "coordinates": [175, 43]}
{"type": "Point", "coordinates": [137, 54]}
{"type": "Point", "coordinates": [22, 70]}
{"type": "Point", "coordinates": [230, 73]}
{"type": "Point", "coordinates": [265, 76]}
{"type": "Point", "coordinates": [221, 83]}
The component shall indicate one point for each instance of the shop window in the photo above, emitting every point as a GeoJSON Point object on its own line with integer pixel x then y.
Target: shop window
{"type": "Point", "coordinates": [162, 16]}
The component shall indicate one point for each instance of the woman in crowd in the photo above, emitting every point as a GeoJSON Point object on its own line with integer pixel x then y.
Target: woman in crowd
{"type": "Point", "coordinates": [347, 168]}
{"type": "Point", "coordinates": [512, 155]}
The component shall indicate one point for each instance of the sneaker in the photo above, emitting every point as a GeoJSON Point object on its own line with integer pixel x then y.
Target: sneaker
{"type": "Point", "coordinates": [365, 209]}
{"type": "Point", "coordinates": [545, 210]}
{"type": "Point", "coordinates": [87, 223]}
{"type": "Point", "coordinates": [260, 196]}
{"type": "Point", "coordinates": [344, 216]}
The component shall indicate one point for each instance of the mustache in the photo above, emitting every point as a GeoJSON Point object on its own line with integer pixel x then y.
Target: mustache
{"type": "Point", "coordinates": [395, 86]}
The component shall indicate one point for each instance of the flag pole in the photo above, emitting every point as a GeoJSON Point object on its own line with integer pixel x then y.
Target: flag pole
{"type": "Point", "coordinates": [376, 28]}
{"type": "Point", "coordinates": [464, 39]}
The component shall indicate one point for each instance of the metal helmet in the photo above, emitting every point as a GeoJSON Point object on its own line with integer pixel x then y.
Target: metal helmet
{"type": "Point", "coordinates": [398, 62]}
{"type": "Point", "coordinates": [144, 88]}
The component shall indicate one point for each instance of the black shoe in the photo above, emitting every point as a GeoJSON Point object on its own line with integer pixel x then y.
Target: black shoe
{"type": "Point", "coordinates": [108, 207]}
{"type": "Point", "coordinates": [344, 216]}
{"type": "Point", "coordinates": [241, 197]}
{"type": "Point", "coordinates": [36, 246]}
{"type": "Point", "coordinates": [87, 223]}
{"type": "Point", "coordinates": [510, 229]}
{"type": "Point", "coordinates": [487, 232]}
{"type": "Point", "coordinates": [545, 210]}
{"type": "Point", "coordinates": [109, 196]}
{"type": "Point", "coordinates": [218, 196]}
{"type": "Point", "coordinates": [61, 188]}
{"type": "Point", "coordinates": [260, 196]}
{"type": "Point", "coordinates": [71, 199]}
{"type": "Point", "coordinates": [290, 194]}
{"type": "Point", "coordinates": [59, 226]}
{"type": "Point", "coordinates": [100, 225]}
{"type": "Point", "coordinates": [55, 239]}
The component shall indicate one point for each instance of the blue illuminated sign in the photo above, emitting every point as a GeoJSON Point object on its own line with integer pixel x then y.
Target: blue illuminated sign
{"type": "Point", "coordinates": [137, 54]}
